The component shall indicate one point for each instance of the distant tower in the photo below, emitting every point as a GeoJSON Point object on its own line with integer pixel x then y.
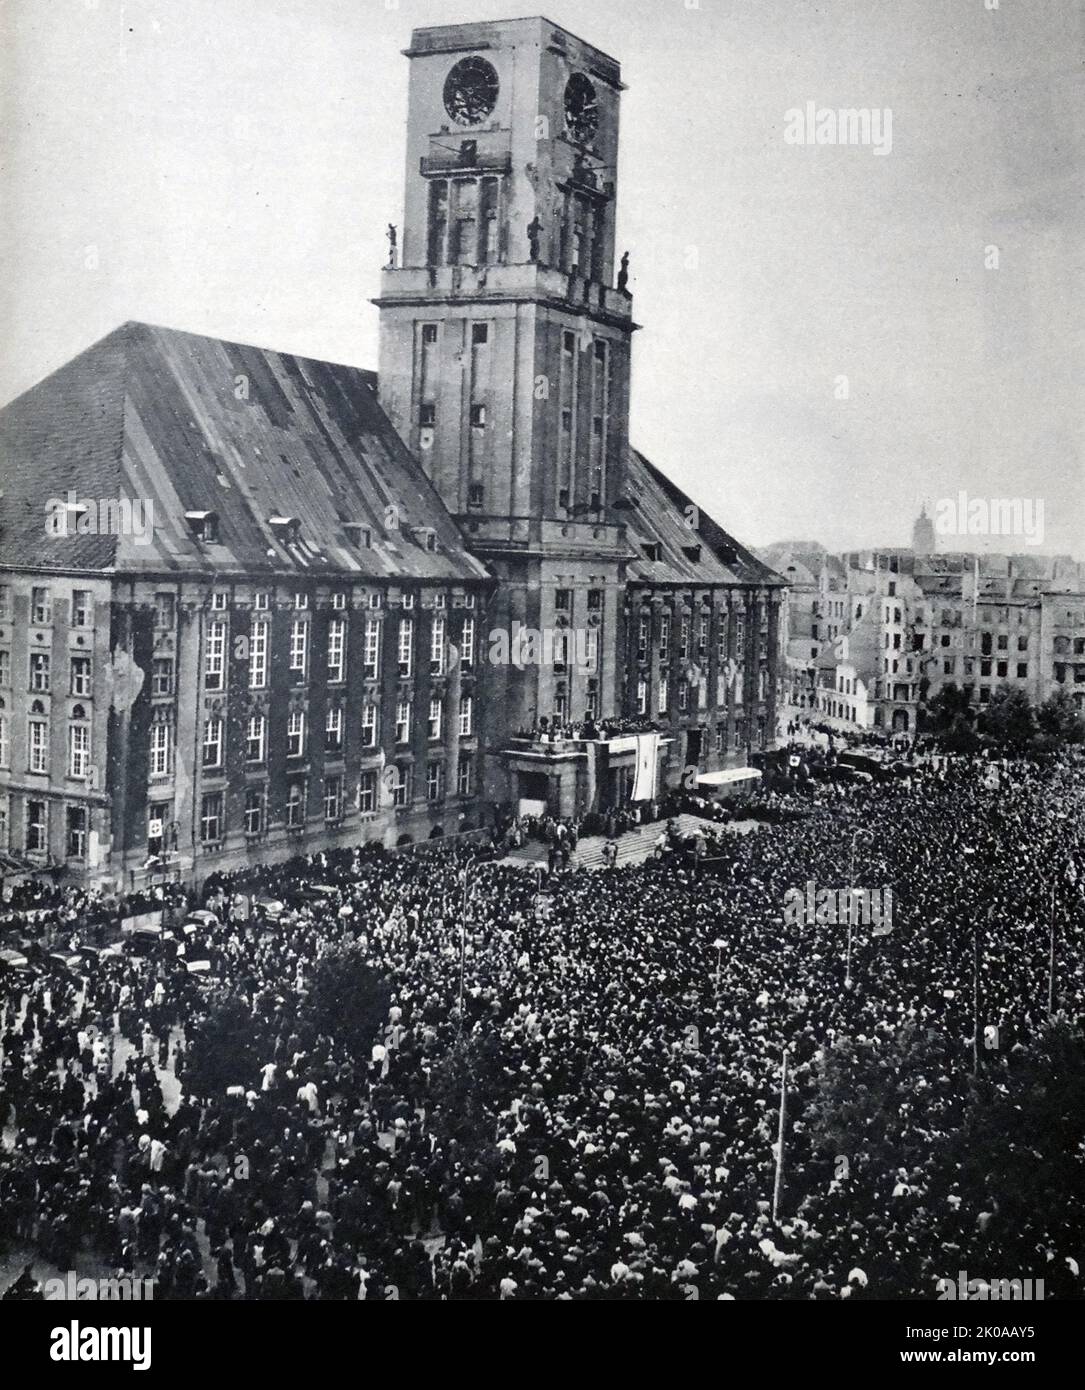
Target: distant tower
{"type": "Point", "coordinates": [923, 540]}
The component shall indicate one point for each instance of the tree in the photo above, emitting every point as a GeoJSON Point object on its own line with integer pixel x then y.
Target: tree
{"type": "Point", "coordinates": [467, 1090]}
{"type": "Point", "coordinates": [949, 707]}
{"type": "Point", "coordinates": [348, 1000]}
{"type": "Point", "coordinates": [223, 1051]}
{"type": "Point", "coordinates": [861, 1096]}
{"type": "Point", "coordinates": [1058, 718]}
{"type": "Point", "coordinates": [1009, 718]}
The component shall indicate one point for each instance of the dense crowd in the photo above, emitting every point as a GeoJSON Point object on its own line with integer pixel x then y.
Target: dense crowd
{"type": "Point", "coordinates": [639, 1029]}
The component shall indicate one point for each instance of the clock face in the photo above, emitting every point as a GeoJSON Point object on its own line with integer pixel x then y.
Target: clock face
{"type": "Point", "coordinates": [581, 108]}
{"type": "Point", "coordinates": [471, 91]}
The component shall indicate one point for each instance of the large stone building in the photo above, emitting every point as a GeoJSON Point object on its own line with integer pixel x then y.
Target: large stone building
{"type": "Point", "coordinates": [874, 635]}
{"type": "Point", "coordinates": [357, 599]}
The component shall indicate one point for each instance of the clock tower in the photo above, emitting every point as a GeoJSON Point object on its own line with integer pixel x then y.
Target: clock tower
{"type": "Point", "coordinates": [506, 336]}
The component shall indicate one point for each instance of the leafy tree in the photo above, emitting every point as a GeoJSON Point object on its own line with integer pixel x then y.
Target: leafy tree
{"type": "Point", "coordinates": [223, 1051]}
{"type": "Point", "coordinates": [1058, 718]}
{"type": "Point", "coordinates": [949, 707]}
{"type": "Point", "coordinates": [862, 1096]}
{"type": "Point", "coordinates": [348, 1000]}
{"type": "Point", "coordinates": [468, 1089]}
{"type": "Point", "coordinates": [1009, 718]}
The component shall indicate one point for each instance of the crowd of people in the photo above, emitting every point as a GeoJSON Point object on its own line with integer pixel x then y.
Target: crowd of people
{"type": "Point", "coordinates": [626, 1149]}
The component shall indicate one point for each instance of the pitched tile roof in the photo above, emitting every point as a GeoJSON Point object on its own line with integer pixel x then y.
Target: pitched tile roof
{"type": "Point", "coordinates": [191, 424]}
{"type": "Point", "coordinates": [692, 548]}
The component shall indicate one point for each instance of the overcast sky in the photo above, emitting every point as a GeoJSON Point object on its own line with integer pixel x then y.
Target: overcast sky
{"type": "Point", "coordinates": [229, 167]}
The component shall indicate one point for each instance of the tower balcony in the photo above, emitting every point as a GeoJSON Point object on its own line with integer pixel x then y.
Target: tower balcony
{"type": "Point", "coordinates": [483, 284]}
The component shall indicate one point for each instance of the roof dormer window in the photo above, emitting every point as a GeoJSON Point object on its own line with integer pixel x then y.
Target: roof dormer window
{"type": "Point", "coordinates": [204, 526]}
{"type": "Point", "coordinates": [285, 529]}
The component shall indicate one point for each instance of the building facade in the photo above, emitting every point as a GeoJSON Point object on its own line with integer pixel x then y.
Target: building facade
{"type": "Point", "coordinates": [377, 608]}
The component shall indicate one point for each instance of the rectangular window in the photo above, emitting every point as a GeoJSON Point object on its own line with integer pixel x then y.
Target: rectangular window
{"type": "Point", "coordinates": [467, 716]}
{"type": "Point", "coordinates": [41, 607]}
{"type": "Point", "coordinates": [683, 697]}
{"type": "Point", "coordinates": [214, 670]}
{"type": "Point", "coordinates": [406, 643]}
{"type": "Point", "coordinates": [371, 650]}
{"type": "Point", "coordinates": [563, 600]}
{"type": "Point", "coordinates": [295, 803]}
{"type": "Point", "coordinates": [333, 730]}
{"type": "Point", "coordinates": [161, 676]}
{"type": "Point", "coordinates": [211, 818]}
{"type": "Point", "coordinates": [662, 697]}
{"type": "Point", "coordinates": [403, 721]}
{"type": "Point", "coordinates": [261, 601]}
{"type": "Point", "coordinates": [642, 696]}
{"type": "Point", "coordinates": [76, 839]}
{"type": "Point", "coordinates": [369, 726]}
{"type": "Point", "coordinates": [37, 745]}
{"type": "Point", "coordinates": [683, 640]}
{"type": "Point", "coordinates": [39, 671]}
{"type": "Point", "coordinates": [435, 782]}
{"type": "Point", "coordinates": [436, 716]}
{"type": "Point", "coordinates": [255, 738]}
{"type": "Point", "coordinates": [333, 798]}
{"type": "Point", "coordinates": [367, 792]}
{"type": "Point", "coordinates": [644, 633]}
{"type": "Point", "coordinates": [467, 643]}
{"type": "Point", "coordinates": [255, 800]}
{"type": "Point", "coordinates": [82, 612]}
{"type": "Point", "coordinates": [37, 828]}
{"type": "Point", "coordinates": [337, 648]}
{"type": "Point", "coordinates": [665, 637]}
{"type": "Point", "coordinates": [401, 787]}
{"type": "Point", "coordinates": [212, 743]}
{"type": "Point", "coordinates": [164, 611]}
{"type": "Point", "coordinates": [220, 601]}
{"type": "Point", "coordinates": [5, 603]}
{"type": "Point", "coordinates": [299, 648]}
{"type": "Point", "coordinates": [5, 668]}
{"type": "Point", "coordinates": [295, 734]}
{"type": "Point", "coordinates": [301, 599]}
{"type": "Point", "coordinates": [161, 749]}
{"type": "Point", "coordinates": [437, 648]}
{"type": "Point", "coordinates": [4, 744]}
{"type": "Point", "coordinates": [78, 750]}
{"type": "Point", "coordinates": [464, 778]}
{"type": "Point", "coordinates": [258, 642]}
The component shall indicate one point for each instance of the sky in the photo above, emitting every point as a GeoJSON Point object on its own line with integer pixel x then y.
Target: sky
{"type": "Point", "coordinates": [831, 336]}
